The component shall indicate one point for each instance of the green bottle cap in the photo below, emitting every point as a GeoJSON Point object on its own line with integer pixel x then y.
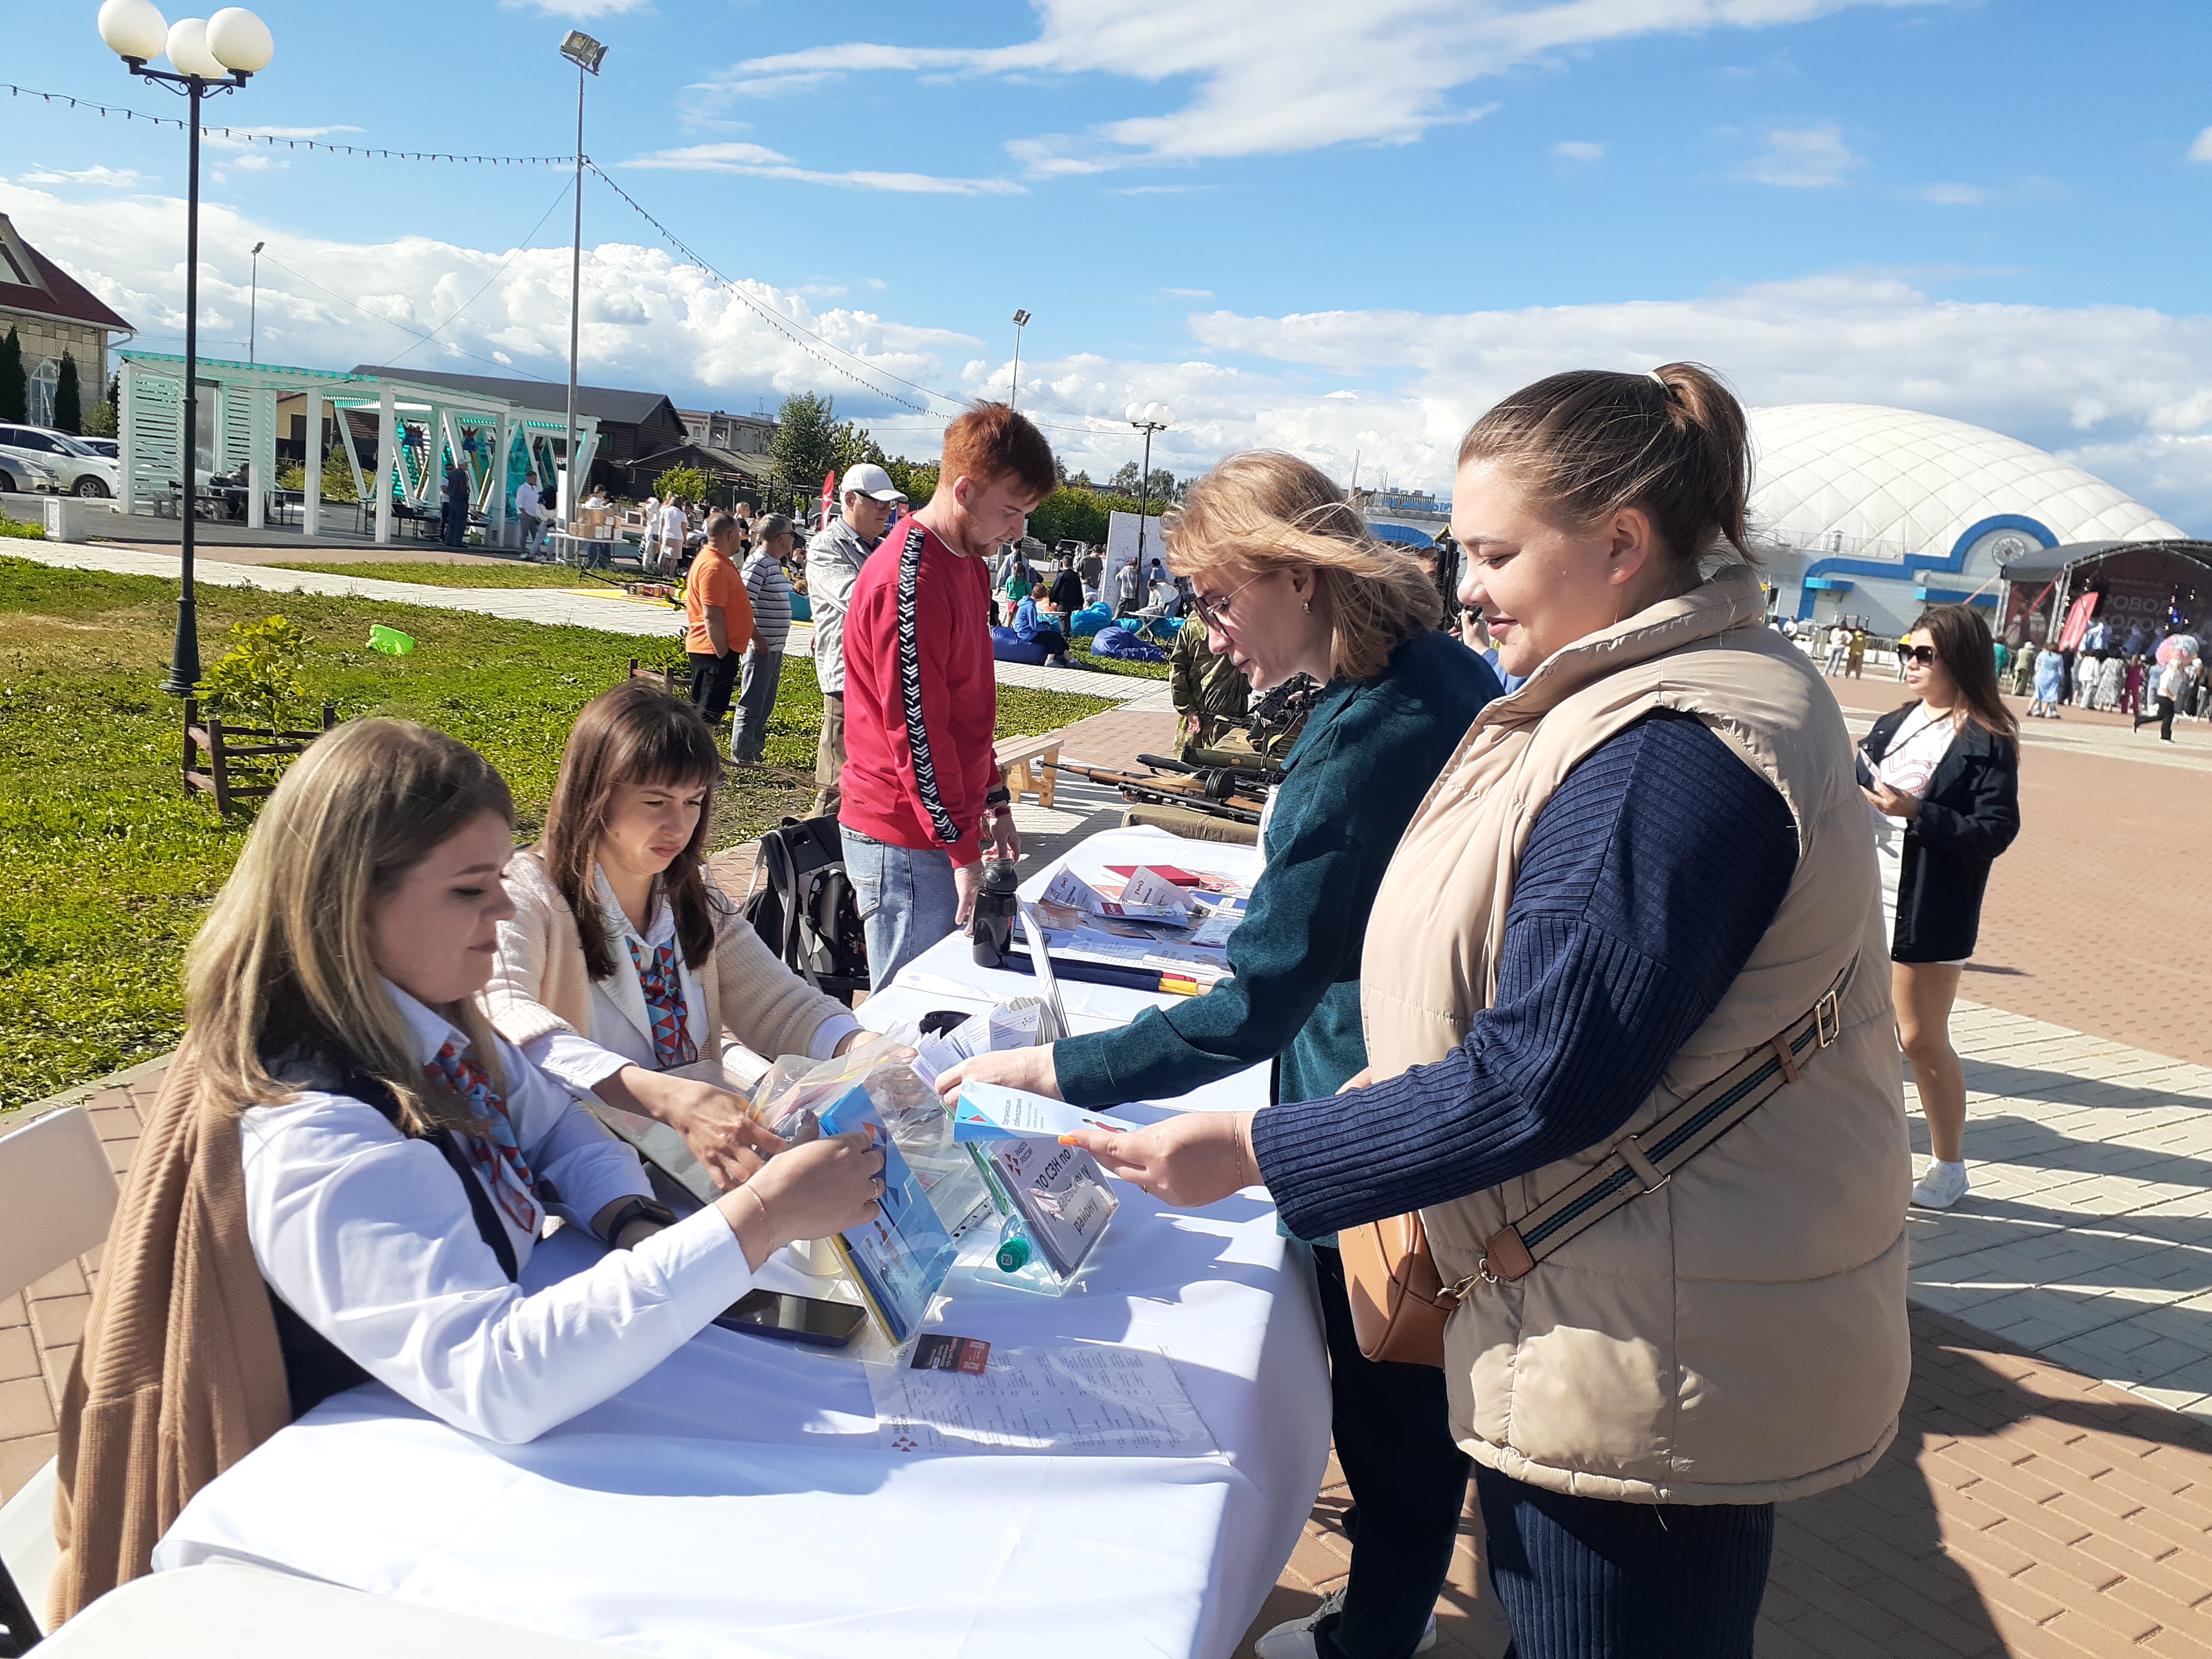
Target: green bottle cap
{"type": "Point", "coordinates": [1013, 1254]}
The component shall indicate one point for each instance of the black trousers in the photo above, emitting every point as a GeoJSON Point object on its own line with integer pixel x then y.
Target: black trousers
{"type": "Point", "coordinates": [1408, 1481]}
{"type": "Point", "coordinates": [713, 680]}
{"type": "Point", "coordinates": [2164, 717]}
{"type": "Point", "coordinates": [1591, 1578]}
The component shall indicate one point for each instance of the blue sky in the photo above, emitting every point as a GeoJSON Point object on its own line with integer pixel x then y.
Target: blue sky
{"type": "Point", "coordinates": [1345, 230]}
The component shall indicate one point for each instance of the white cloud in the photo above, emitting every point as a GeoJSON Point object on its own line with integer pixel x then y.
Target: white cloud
{"type": "Point", "coordinates": [1160, 190]}
{"type": "Point", "coordinates": [758, 162]}
{"type": "Point", "coordinates": [2126, 391]}
{"type": "Point", "coordinates": [1188, 292]}
{"type": "Point", "coordinates": [1803, 157]}
{"type": "Point", "coordinates": [1575, 151]}
{"type": "Point", "coordinates": [1319, 73]}
{"type": "Point", "coordinates": [2201, 149]}
{"type": "Point", "coordinates": [110, 178]}
{"type": "Point", "coordinates": [875, 283]}
{"type": "Point", "coordinates": [1956, 195]}
{"type": "Point", "coordinates": [578, 10]}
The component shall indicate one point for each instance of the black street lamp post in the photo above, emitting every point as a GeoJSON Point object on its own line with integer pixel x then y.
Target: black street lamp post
{"type": "Point", "coordinates": [1147, 418]}
{"type": "Point", "coordinates": [217, 55]}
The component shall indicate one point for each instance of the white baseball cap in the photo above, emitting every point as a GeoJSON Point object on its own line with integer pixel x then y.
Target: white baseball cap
{"type": "Point", "coordinates": [870, 480]}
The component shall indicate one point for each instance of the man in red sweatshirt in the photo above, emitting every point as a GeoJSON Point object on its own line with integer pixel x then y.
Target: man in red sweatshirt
{"type": "Point", "coordinates": [923, 803]}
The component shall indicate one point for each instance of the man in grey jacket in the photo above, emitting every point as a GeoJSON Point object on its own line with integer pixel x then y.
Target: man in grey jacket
{"type": "Point", "coordinates": [834, 557]}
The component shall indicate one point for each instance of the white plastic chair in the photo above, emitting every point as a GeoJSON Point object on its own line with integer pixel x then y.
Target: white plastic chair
{"type": "Point", "coordinates": [57, 1197]}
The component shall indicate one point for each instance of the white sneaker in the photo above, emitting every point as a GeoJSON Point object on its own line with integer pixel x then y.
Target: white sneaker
{"type": "Point", "coordinates": [1944, 1185]}
{"type": "Point", "coordinates": [1294, 1639]}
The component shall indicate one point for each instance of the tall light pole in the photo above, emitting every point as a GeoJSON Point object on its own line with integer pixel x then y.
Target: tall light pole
{"type": "Point", "coordinates": [254, 315]}
{"type": "Point", "coordinates": [218, 54]}
{"type": "Point", "coordinates": [1147, 418]}
{"type": "Point", "coordinates": [1021, 322]}
{"type": "Point", "coordinates": [586, 54]}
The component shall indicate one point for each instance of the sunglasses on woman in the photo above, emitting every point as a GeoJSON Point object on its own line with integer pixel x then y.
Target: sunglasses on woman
{"type": "Point", "coordinates": [1922, 655]}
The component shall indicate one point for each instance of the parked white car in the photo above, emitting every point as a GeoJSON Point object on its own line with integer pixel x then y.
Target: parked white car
{"type": "Point", "coordinates": [22, 473]}
{"type": "Point", "coordinates": [83, 470]}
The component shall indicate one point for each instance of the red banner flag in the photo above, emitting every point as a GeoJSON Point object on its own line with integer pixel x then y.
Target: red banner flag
{"type": "Point", "coordinates": [2077, 622]}
{"type": "Point", "coordinates": [828, 494]}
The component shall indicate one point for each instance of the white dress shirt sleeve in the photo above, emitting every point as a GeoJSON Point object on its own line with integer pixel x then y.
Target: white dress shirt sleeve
{"type": "Point", "coordinates": [368, 1236]}
{"type": "Point", "coordinates": [579, 1064]}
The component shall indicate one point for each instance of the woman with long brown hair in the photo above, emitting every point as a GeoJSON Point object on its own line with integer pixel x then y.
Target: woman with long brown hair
{"type": "Point", "coordinates": [625, 971]}
{"type": "Point", "coordinates": [1943, 782]}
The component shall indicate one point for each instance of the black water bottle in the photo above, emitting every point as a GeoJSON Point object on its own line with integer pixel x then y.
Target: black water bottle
{"type": "Point", "coordinates": [994, 913]}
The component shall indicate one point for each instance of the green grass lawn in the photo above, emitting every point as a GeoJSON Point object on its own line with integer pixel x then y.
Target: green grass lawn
{"type": "Point", "coordinates": [105, 863]}
{"type": "Point", "coordinates": [456, 574]}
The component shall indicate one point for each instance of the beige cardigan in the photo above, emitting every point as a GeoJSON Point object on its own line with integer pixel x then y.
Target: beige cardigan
{"type": "Point", "coordinates": [179, 1374]}
{"type": "Point", "coordinates": [758, 1007]}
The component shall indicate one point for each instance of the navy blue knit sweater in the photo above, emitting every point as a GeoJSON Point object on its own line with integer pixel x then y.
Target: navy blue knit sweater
{"type": "Point", "coordinates": [1649, 877]}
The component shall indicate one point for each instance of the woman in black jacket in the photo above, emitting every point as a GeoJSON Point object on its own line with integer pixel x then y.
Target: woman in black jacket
{"type": "Point", "coordinates": [1942, 775]}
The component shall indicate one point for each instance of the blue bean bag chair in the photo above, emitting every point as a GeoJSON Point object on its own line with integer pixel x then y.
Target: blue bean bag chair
{"type": "Point", "coordinates": [1089, 620]}
{"type": "Point", "coordinates": [1120, 644]}
{"type": "Point", "coordinates": [801, 611]}
{"type": "Point", "coordinates": [1010, 647]}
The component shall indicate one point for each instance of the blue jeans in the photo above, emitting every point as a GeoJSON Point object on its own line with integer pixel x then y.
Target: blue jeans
{"type": "Point", "coordinates": [763, 672]}
{"type": "Point", "coordinates": [907, 900]}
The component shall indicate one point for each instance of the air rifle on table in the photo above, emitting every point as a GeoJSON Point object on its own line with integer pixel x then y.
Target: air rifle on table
{"type": "Point", "coordinates": [1218, 792]}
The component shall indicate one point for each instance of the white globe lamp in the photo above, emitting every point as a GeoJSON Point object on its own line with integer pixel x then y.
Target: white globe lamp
{"type": "Point", "coordinates": [188, 50]}
{"type": "Point", "coordinates": [134, 29]}
{"type": "Point", "coordinates": [1133, 413]}
{"type": "Point", "coordinates": [1166, 417]}
{"type": "Point", "coordinates": [239, 40]}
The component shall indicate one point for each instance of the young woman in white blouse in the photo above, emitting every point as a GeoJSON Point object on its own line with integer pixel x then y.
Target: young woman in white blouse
{"type": "Point", "coordinates": [399, 1159]}
{"type": "Point", "coordinates": [624, 971]}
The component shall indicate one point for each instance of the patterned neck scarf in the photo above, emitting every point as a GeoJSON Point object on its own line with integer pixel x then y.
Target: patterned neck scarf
{"type": "Point", "coordinates": [496, 1154]}
{"type": "Point", "coordinates": [662, 985]}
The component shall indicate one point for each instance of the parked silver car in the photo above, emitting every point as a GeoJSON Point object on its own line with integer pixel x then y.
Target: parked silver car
{"type": "Point", "coordinates": [22, 473]}
{"type": "Point", "coordinates": [83, 470]}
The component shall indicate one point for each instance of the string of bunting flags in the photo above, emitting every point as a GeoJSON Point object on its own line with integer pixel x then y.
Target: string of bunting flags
{"type": "Point", "coordinates": [248, 136]}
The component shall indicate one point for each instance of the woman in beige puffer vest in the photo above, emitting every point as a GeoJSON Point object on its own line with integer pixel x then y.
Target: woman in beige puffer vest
{"type": "Point", "coordinates": [1642, 865]}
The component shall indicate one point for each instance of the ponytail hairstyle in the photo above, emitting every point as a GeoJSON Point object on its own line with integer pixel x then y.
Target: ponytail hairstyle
{"type": "Point", "coordinates": [282, 967]}
{"type": "Point", "coordinates": [1965, 647]}
{"type": "Point", "coordinates": [1672, 444]}
{"type": "Point", "coordinates": [636, 733]}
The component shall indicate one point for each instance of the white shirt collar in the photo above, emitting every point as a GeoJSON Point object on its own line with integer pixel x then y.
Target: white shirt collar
{"type": "Point", "coordinates": [432, 1031]}
{"type": "Point", "coordinates": [659, 931]}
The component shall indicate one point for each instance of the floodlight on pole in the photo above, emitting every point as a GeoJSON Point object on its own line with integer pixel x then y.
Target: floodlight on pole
{"type": "Point", "coordinates": [207, 56]}
{"type": "Point", "coordinates": [253, 306]}
{"type": "Point", "coordinates": [1147, 418]}
{"type": "Point", "coordinates": [586, 54]}
{"type": "Point", "coordinates": [1021, 322]}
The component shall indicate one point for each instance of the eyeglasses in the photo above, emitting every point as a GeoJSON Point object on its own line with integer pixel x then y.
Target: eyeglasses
{"type": "Point", "coordinates": [1215, 612]}
{"type": "Point", "coordinates": [1922, 655]}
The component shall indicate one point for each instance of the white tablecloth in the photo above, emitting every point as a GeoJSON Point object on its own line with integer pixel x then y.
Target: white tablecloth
{"type": "Point", "coordinates": [733, 1502]}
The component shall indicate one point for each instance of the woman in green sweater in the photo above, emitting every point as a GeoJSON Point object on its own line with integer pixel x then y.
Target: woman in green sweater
{"type": "Point", "coordinates": [1287, 579]}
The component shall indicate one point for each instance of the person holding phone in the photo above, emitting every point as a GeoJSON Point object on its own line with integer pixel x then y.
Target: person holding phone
{"type": "Point", "coordinates": [1942, 776]}
{"type": "Point", "coordinates": [346, 1172]}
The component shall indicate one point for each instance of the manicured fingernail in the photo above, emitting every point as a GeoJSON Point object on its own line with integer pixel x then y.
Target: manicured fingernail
{"type": "Point", "coordinates": [1068, 1141]}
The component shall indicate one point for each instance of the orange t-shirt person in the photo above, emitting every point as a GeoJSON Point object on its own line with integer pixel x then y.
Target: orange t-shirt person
{"type": "Point", "coordinates": [721, 619]}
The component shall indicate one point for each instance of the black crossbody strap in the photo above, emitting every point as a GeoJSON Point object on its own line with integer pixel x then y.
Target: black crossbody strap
{"type": "Point", "coordinates": [1645, 1163]}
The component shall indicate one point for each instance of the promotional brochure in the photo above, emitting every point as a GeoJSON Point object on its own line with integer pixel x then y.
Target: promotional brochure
{"type": "Point", "coordinates": [899, 1258]}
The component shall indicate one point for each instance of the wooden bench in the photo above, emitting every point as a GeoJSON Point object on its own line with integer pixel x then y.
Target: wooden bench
{"type": "Point", "coordinates": [666, 676]}
{"type": "Point", "coordinates": [1018, 761]}
{"type": "Point", "coordinates": [213, 750]}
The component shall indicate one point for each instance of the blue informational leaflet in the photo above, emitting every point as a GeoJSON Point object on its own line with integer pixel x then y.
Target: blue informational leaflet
{"type": "Point", "coordinates": [989, 1111]}
{"type": "Point", "coordinates": [901, 1258]}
